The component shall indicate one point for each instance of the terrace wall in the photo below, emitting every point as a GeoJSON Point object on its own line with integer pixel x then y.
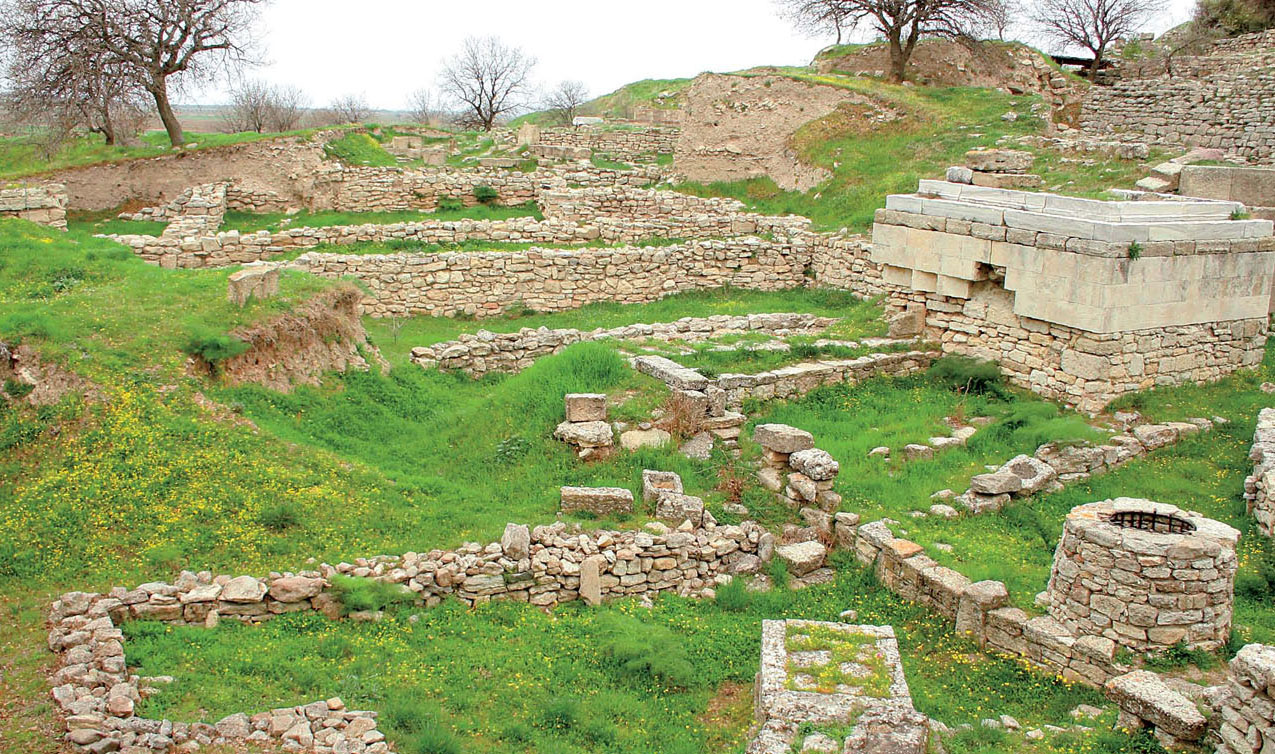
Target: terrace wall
{"type": "Point", "coordinates": [42, 203]}
{"type": "Point", "coordinates": [628, 145]}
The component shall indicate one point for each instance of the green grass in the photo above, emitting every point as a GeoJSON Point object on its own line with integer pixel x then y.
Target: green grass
{"type": "Point", "coordinates": [249, 222]}
{"type": "Point", "coordinates": [21, 156]}
{"type": "Point", "coordinates": [359, 148]}
{"type": "Point", "coordinates": [507, 677]}
{"type": "Point", "coordinates": [107, 222]}
{"type": "Point", "coordinates": [824, 302]}
{"type": "Point", "coordinates": [871, 160]}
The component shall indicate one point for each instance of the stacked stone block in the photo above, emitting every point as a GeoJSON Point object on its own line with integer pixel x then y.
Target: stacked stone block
{"type": "Point", "coordinates": [1259, 487]}
{"type": "Point", "coordinates": [1146, 701]}
{"type": "Point", "coordinates": [996, 168]}
{"type": "Point", "coordinates": [1248, 704]}
{"type": "Point", "coordinates": [792, 467]}
{"type": "Point", "coordinates": [1145, 575]}
{"type": "Point", "coordinates": [626, 145]}
{"type": "Point", "coordinates": [586, 428]}
{"type": "Point", "coordinates": [44, 204]}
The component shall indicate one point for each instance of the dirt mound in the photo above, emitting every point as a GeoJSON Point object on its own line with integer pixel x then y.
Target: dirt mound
{"type": "Point", "coordinates": [941, 62]}
{"type": "Point", "coordinates": [322, 335]}
{"type": "Point", "coordinates": [739, 127]}
{"type": "Point", "coordinates": [24, 376]}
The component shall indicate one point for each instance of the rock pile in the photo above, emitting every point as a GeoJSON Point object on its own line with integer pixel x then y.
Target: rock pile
{"type": "Point", "coordinates": [792, 467]}
{"type": "Point", "coordinates": [586, 428]}
{"type": "Point", "coordinates": [1248, 704]}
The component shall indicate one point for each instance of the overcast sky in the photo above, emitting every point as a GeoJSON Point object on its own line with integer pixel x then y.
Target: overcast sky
{"type": "Point", "coordinates": [385, 49]}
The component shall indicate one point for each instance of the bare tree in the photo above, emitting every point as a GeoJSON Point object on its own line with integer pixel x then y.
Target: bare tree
{"type": "Point", "coordinates": [1092, 24]}
{"type": "Point", "coordinates": [258, 106]}
{"type": "Point", "coordinates": [1001, 15]}
{"type": "Point", "coordinates": [901, 22]}
{"type": "Point", "coordinates": [350, 108]}
{"type": "Point", "coordinates": [151, 41]}
{"type": "Point", "coordinates": [488, 80]}
{"type": "Point", "coordinates": [423, 108]}
{"type": "Point", "coordinates": [816, 18]}
{"type": "Point", "coordinates": [564, 102]}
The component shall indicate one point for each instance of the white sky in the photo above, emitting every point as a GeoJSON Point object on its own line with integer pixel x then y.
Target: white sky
{"type": "Point", "coordinates": [385, 49]}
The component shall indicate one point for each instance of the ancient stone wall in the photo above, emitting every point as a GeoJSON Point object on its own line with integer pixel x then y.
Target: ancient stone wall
{"type": "Point", "coordinates": [628, 145]}
{"type": "Point", "coordinates": [544, 566]}
{"type": "Point", "coordinates": [1220, 100]}
{"type": "Point", "coordinates": [484, 352]}
{"type": "Point", "coordinates": [1248, 706]}
{"type": "Point", "coordinates": [488, 283]}
{"type": "Point", "coordinates": [43, 203]}
{"type": "Point", "coordinates": [1259, 487]}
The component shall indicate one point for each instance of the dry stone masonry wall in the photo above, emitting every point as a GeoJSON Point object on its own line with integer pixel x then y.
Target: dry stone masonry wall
{"type": "Point", "coordinates": [1081, 300]}
{"type": "Point", "coordinates": [44, 204]}
{"type": "Point", "coordinates": [627, 144]}
{"type": "Point", "coordinates": [1248, 706]}
{"type": "Point", "coordinates": [1222, 100]}
{"type": "Point", "coordinates": [1259, 487]}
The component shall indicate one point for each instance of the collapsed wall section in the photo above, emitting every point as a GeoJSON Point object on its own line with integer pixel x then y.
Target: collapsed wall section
{"type": "Point", "coordinates": [41, 203]}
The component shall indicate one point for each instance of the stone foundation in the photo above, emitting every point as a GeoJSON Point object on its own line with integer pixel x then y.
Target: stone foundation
{"type": "Point", "coordinates": [1248, 704]}
{"type": "Point", "coordinates": [1145, 575]}
{"type": "Point", "coordinates": [44, 204]}
{"type": "Point", "coordinates": [1259, 487]}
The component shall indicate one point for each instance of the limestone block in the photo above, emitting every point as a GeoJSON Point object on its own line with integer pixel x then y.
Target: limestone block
{"type": "Point", "coordinates": [596, 500]}
{"type": "Point", "coordinates": [781, 438]}
{"type": "Point", "coordinates": [999, 160]}
{"type": "Point", "coordinates": [1142, 694]}
{"type": "Point", "coordinates": [594, 434]}
{"type": "Point", "coordinates": [803, 557]}
{"type": "Point", "coordinates": [586, 407]}
{"type": "Point", "coordinates": [676, 508]}
{"type": "Point", "coordinates": [656, 483]}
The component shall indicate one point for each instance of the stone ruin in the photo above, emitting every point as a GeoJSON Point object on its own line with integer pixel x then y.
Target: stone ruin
{"type": "Point", "coordinates": [794, 469]}
{"type": "Point", "coordinates": [44, 203]}
{"type": "Point", "coordinates": [1259, 487]}
{"type": "Point", "coordinates": [836, 676]}
{"type": "Point", "coordinates": [1081, 300]}
{"type": "Point", "coordinates": [586, 428]}
{"type": "Point", "coordinates": [996, 168]}
{"type": "Point", "coordinates": [259, 281]}
{"type": "Point", "coordinates": [1145, 575]}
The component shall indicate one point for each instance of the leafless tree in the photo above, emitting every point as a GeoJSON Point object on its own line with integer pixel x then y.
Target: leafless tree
{"type": "Point", "coordinates": [1092, 24]}
{"type": "Point", "coordinates": [350, 108]}
{"type": "Point", "coordinates": [488, 80]}
{"type": "Point", "coordinates": [816, 18]}
{"type": "Point", "coordinates": [902, 23]}
{"type": "Point", "coordinates": [1001, 15]}
{"type": "Point", "coordinates": [259, 106]}
{"type": "Point", "coordinates": [150, 41]}
{"type": "Point", "coordinates": [422, 107]}
{"type": "Point", "coordinates": [564, 102]}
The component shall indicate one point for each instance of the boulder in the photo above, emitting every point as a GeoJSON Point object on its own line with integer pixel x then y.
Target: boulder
{"type": "Point", "coordinates": [516, 541]}
{"type": "Point", "coordinates": [817, 464]}
{"type": "Point", "coordinates": [782, 438]}
{"type": "Point", "coordinates": [295, 588]}
{"type": "Point", "coordinates": [586, 407]}
{"type": "Point", "coordinates": [243, 589]}
{"type": "Point", "coordinates": [675, 508]}
{"type": "Point", "coordinates": [1154, 436]}
{"type": "Point", "coordinates": [1034, 473]}
{"type": "Point", "coordinates": [1143, 695]}
{"type": "Point", "coordinates": [803, 557]}
{"type": "Point", "coordinates": [999, 160]}
{"type": "Point", "coordinates": [597, 500]}
{"type": "Point", "coordinates": [996, 483]}
{"type": "Point", "coordinates": [596, 434]}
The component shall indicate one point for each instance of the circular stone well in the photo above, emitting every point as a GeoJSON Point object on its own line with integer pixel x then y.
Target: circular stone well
{"type": "Point", "coordinates": [1146, 575]}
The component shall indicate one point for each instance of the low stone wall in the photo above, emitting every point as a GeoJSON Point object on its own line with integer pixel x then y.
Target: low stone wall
{"type": "Point", "coordinates": [1259, 487]}
{"type": "Point", "coordinates": [845, 263]}
{"type": "Point", "coordinates": [1248, 706]}
{"type": "Point", "coordinates": [543, 566]}
{"type": "Point", "coordinates": [587, 205]}
{"type": "Point", "coordinates": [42, 203]}
{"type": "Point", "coordinates": [979, 609]}
{"type": "Point", "coordinates": [628, 145]}
{"type": "Point", "coordinates": [511, 352]}
{"type": "Point", "coordinates": [488, 283]}
{"type": "Point", "coordinates": [798, 379]}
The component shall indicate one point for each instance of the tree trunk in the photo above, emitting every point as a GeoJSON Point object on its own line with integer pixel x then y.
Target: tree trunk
{"type": "Point", "coordinates": [898, 60]}
{"type": "Point", "coordinates": [174, 127]}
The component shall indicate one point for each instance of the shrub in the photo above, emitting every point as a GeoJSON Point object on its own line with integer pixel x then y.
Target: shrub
{"type": "Point", "coordinates": [966, 375]}
{"type": "Point", "coordinates": [213, 347]}
{"type": "Point", "coordinates": [281, 516]}
{"type": "Point", "coordinates": [734, 597]}
{"type": "Point", "coordinates": [646, 651]}
{"type": "Point", "coordinates": [682, 417]}
{"type": "Point", "coordinates": [486, 194]}
{"type": "Point", "coordinates": [450, 204]}
{"type": "Point", "coordinates": [561, 714]}
{"type": "Point", "coordinates": [777, 569]}
{"type": "Point", "coordinates": [368, 595]}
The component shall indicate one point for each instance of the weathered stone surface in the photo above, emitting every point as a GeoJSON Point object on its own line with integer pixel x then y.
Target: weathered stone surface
{"type": "Point", "coordinates": [1142, 694]}
{"type": "Point", "coordinates": [818, 465]}
{"type": "Point", "coordinates": [803, 557]}
{"type": "Point", "coordinates": [996, 483]}
{"type": "Point", "coordinates": [676, 508]}
{"type": "Point", "coordinates": [295, 588]}
{"type": "Point", "coordinates": [999, 160]}
{"type": "Point", "coordinates": [243, 589]}
{"type": "Point", "coordinates": [586, 407]}
{"type": "Point", "coordinates": [596, 434]}
{"type": "Point", "coordinates": [782, 438]}
{"type": "Point", "coordinates": [597, 500]}
{"type": "Point", "coordinates": [635, 439]}
{"type": "Point", "coordinates": [516, 541]}
{"type": "Point", "coordinates": [655, 483]}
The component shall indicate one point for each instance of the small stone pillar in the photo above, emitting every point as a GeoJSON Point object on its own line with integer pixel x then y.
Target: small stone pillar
{"type": "Point", "coordinates": [253, 281]}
